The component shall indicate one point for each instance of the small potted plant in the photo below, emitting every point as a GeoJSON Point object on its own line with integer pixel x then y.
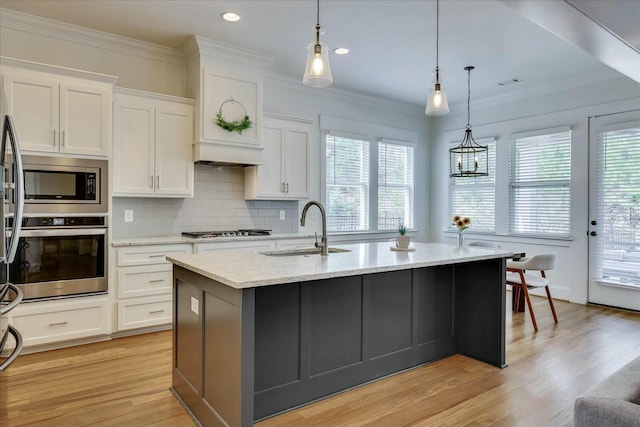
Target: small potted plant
{"type": "Point", "coordinates": [402, 241]}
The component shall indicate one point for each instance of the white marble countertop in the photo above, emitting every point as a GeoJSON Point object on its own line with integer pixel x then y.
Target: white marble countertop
{"type": "Point", "coordinates": [169, 240]}
{"type": "Point", "coordinates": [244, 268]}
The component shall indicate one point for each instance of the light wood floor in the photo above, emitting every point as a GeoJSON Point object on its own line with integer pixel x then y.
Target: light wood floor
{"type": "Point", "coordinates": [125, 382]}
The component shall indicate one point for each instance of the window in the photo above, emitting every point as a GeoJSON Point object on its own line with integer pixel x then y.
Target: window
{"type": "Point", "coordinates": [476, 197]}
{"type": "Point", "coordinates": [359, 200]}
{"type": "Point", "coordinates": [541, 183]}
{"type": "Point", "coordinates": [395, 185]}
{"type": "Point", "coordinates": [347, 184]}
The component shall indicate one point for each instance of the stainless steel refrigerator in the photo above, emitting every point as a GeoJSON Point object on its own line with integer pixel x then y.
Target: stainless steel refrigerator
{"type": "Point", "coordinates": [11, 214]}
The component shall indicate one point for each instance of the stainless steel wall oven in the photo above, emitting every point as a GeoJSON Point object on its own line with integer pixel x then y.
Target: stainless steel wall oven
{"type": "Point", "coordinates": [62, 248]}
{"type": "Point", "coordinates": [61, 257]}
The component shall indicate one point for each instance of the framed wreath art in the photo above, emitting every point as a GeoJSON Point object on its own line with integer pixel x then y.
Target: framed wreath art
{"type": "Point", "coordinates": [234, 125]}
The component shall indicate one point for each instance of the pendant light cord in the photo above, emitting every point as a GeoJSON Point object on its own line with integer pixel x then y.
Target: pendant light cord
{"type": "Point", "coordinates": [318, 15]}
{"type": "Point", "coordinates": [437, 29]}
{"type": "Point", "coordinates": [468, 98]}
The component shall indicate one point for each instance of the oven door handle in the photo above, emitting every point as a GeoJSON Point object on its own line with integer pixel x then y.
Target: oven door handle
{"type": "Point", "coordinates": [64, 232]}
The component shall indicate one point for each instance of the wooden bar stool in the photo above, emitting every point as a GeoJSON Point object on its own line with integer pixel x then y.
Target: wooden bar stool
{"type": "Point", "coordinates": [522, 280]}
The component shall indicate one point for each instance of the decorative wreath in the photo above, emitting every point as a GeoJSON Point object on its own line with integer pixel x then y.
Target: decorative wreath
{"type": "Point", "coordinates": [235, 125]}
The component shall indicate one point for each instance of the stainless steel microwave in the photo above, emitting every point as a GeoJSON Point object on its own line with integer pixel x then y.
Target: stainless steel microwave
{"type": "Point", "coordinates": [64, 185]}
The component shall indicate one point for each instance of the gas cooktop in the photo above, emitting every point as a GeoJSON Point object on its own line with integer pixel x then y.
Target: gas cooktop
{"type": "Point", "coordinates": [234, 233]}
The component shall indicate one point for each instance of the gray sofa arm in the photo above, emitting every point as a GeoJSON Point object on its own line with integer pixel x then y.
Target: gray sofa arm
{"type": "Point", "coordinates": [604, 411]}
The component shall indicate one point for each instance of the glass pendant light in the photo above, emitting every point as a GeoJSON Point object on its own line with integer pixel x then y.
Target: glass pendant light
{"type": "Point", "coordinates": [469, 159]}
{"type": "Point", "coordinates": [317, 73]}
{"type": "Point", "coordinates": [437, 104]}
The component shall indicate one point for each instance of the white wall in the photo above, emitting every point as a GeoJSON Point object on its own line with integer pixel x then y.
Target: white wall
{"type": "Point", "coordinates": [137, 65]}
{"type": "Point", "coordinates": [570, 107]}
{"type": "Point", "coordinates": [152, 68]}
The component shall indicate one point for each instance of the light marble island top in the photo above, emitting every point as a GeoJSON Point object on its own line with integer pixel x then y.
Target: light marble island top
{"type": "Point", "coordinates": [169, 240]}
{"type": "Point", "coordinates": [246, 268]}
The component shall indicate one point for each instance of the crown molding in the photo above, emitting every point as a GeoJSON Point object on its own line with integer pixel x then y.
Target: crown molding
{"type": "Point", "coordinates": [72, 33]}
{"type": "Point", "coordinates": [198, 45]}
{"type": "Point", "coordinates": [53, 69]}
{"type": "Point", "coordinates": [118, 90]}
{"type": "Point", "coordinates": [345, 95]}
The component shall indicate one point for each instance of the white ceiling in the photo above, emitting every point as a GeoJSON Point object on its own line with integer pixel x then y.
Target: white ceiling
{"type": "Point", "coordinates": [392, 42]}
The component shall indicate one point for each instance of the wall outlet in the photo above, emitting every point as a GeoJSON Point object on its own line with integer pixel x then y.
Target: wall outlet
{"type": "Point", "coordinates": [281, 215]}
{"type": "Point", "coordinates": [128, 216]}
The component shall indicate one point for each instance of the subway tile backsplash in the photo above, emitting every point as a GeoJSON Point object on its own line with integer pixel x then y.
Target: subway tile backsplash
{"type": "Point", "coordinates": [218, 204]}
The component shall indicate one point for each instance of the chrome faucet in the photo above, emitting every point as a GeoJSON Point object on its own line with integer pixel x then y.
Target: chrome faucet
{"type": "Point", "coordinates": [324, 246]}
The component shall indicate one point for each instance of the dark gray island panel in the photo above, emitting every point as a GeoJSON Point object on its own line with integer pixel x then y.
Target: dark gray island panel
{"type": "Point", "coordinates": [271, 348]}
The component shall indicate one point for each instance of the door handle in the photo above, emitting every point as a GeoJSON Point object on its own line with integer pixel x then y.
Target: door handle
{"type": "Point", "coordinates": [594, 222]}
{"type": "Point", "coordinates": [593, 233]}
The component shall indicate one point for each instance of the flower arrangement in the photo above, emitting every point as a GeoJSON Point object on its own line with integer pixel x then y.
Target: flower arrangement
{"type": "Point", "coordinates": [461, 223]}
{"type": "Point", "coordinates": [402, 229]}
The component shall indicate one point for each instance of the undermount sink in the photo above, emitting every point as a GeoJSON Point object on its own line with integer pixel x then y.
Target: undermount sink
{"type": "Point", "coordinates": [303, 251]}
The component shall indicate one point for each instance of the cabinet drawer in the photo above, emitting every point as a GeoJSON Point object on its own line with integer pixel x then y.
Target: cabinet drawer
{"type": "Point", "coordinates": [144, 280]}
{"type": "Point", "coordinates": [254, 245]}
{"type": "Point", "coordinates": [142, 312]}
{"type": "Point", "coordinates": [60, 320]}
{"type": "Point", "coordinates": [147, 255]}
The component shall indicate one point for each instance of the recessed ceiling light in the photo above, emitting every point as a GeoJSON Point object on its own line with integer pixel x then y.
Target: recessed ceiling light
{"type": "Point", "coordinates": [230, 16]}
{"type": "Point", "coordinates": [341, 50]}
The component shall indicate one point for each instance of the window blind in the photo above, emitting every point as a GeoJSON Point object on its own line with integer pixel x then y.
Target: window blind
{"type": "Point", "coordinates": [617, 202]}
{"type": "Point", "coordinates": [395, 185]}
{"type": "Point", "coordinates": [476, 197]}
{"type": "Point", "coordinates": [541, 184]}
{"type": "Point", "coordinates": [347, 183]}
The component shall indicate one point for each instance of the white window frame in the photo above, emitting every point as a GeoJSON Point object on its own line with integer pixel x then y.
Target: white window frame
{"type": "Point", "coordinates": [371, 132]}
{"type": "Point", "coordinates": [557, 183]}
{"type": "Point", "coordinates": [477, 183]}
{"type": "Point", "coordinates": [409, 186]}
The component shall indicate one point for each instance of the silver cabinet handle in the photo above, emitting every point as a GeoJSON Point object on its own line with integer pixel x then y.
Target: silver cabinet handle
{"type": "Point", "coordinates": [282, 187]}
{"type": "Point", "coordinates": [287, 187]}
{"type": "Point", "coordinates": [156, 311]}
{"type": "Point", "coordinates": [151, 178]}
{"type": "Point", "coordinates": [58, 324]}
{"type": "Point", "coordinates": [63, 138]}
{"type": "Point", "coordinates": [54, 137]}
{"type": "Point", "coordinates": [158, 181]}
{"type": "Point", "coordinates": [156, 256]}
{"type": "Point", "coordinates": [156, 281]}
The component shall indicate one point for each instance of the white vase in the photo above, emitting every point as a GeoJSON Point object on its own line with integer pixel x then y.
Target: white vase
{"type": "Point", "coordinates": [403, 242]}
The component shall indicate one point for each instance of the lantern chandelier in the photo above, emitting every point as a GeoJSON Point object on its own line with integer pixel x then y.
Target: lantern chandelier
{"type": "Point", "coordinates": [468, 159]}
{"type": "Point", "coordinates": [317, 73]}
{"type": "Point", "coordinates": [437, 104]}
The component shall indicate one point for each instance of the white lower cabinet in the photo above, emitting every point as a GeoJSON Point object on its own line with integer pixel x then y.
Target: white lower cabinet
{"type": "Point", "coordinates": [141, 312]}
{"type": "Point", "coordinates": [144, 285]}
{"type": "Point", "coordinates": [61, 320]}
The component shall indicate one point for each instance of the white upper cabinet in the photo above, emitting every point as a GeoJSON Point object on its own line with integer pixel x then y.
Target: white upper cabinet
{"type": "Point", "coordinates": [58, 113]}
{"type": "Point", "coordinates": [284, 169]}
{"type": "Point", "coordinates": [152, 149]}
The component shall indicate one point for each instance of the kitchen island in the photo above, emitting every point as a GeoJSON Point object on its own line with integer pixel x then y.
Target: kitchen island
{"type": "Point", "coordinates": [257, 334]}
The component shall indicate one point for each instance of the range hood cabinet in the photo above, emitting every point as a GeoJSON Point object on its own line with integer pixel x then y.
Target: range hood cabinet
{"type": "Point", "coordinates": [215, 75]}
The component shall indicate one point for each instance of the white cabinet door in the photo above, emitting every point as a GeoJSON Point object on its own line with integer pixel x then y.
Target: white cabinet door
{"type": "Point", "coordinates": [296, 158]}
{"type": "Point", "coordinates": [54, 117]}
{"type": "Point", "coordinates": [33, 104]}
{"type": "Point", "coordinates": [270, 180]}
{"type": "Point", "coordinates": [133, 148]}
{"type": "Point", "coordinates": [173, 155]}
{"type": "Point", "coordinates": [152, 146]}
{"type": "Point", "coordinates": [284, 169]}
{"type": "Point", "coordinates": [84, 119]}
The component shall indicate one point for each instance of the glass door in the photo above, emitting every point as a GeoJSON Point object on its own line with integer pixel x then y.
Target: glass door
{"type": "Point", "coordinates": [614, 210]}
